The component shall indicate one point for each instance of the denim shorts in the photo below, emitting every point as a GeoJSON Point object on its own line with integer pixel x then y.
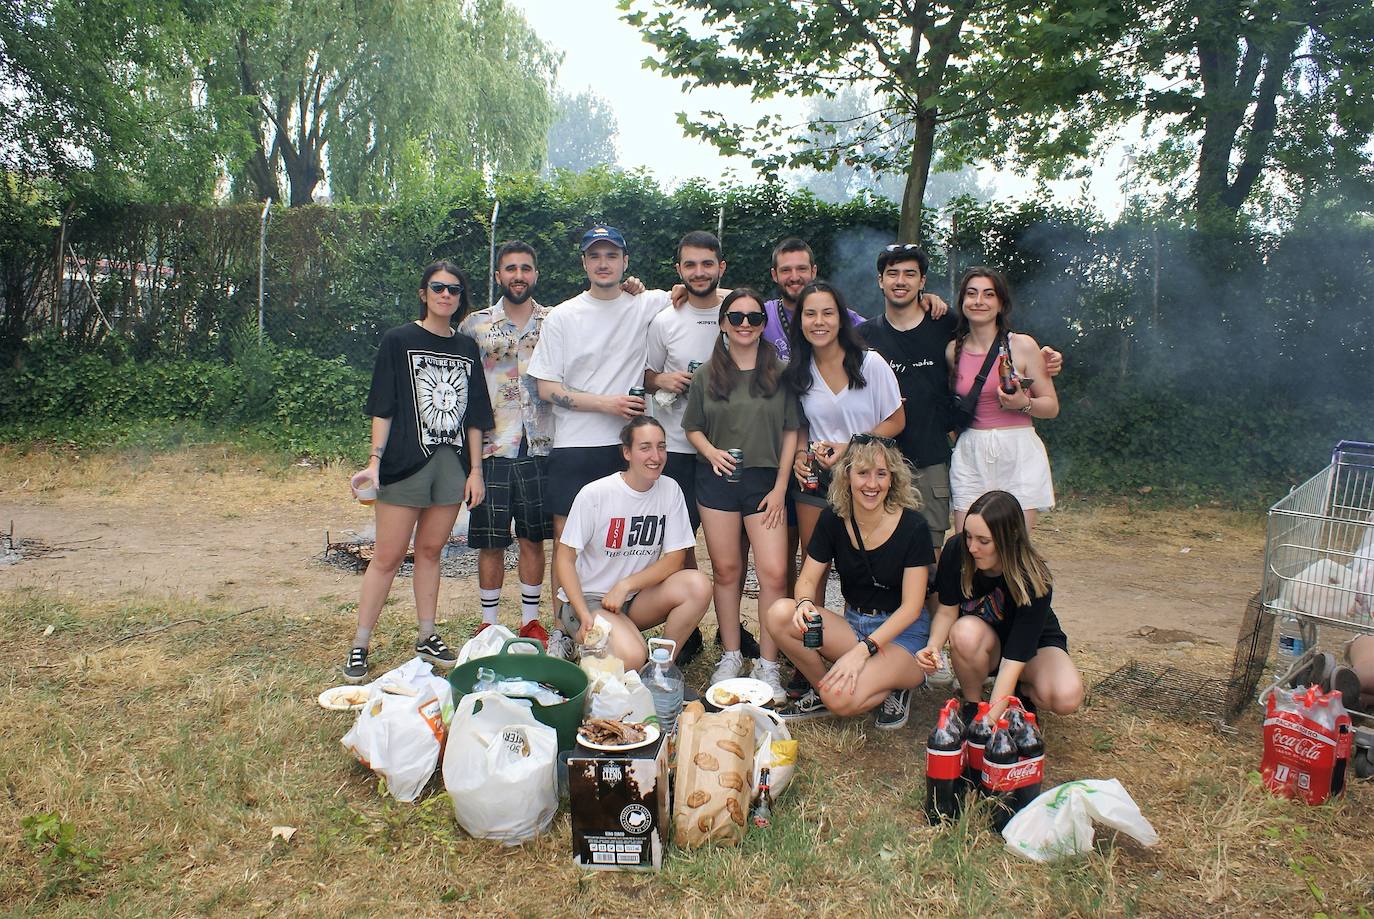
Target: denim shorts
{"type": "Point", "coordinates": [916, 636]}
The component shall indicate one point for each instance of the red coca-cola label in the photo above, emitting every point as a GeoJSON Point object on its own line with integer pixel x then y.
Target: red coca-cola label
{"type": "Point", "coordinates": [973, 755]}
{"type": "Point", "coordinates": [944, 764]}
{"type": "Point", "coordinates": [1299, 757]}
{"type": "Point", "coordinates": [1011, 776]}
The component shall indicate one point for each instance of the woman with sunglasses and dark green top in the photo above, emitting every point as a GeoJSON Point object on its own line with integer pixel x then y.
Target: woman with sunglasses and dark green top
{"type": "Point", "coordinates": [737, 402]}
{"type": "Point", "coordinates": [879, 543]}
{"type": "Point", "coordinates": [429, 406]}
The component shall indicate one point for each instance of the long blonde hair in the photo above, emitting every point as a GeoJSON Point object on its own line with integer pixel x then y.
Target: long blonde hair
{"type": "Point", "coordinates": [1025, 570]}
{"type": "Point", "coordinates": [901, 491]}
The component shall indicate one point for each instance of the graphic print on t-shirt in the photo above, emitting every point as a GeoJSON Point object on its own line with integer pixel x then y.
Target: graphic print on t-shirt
{"type": "Point", "coordinates": [643, 536]}
{"type": "Point", "coordinates": [991, 608]}
{"type": "Point", "coordinates": [441, 397]}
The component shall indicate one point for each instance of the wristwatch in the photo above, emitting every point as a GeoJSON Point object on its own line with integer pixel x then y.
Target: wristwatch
{"type": "Point", "coordinates": [872, 646]}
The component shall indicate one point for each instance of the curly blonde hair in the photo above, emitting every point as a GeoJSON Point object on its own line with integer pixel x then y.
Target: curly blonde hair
{"type": "Point", "coordinates": [901, 492]}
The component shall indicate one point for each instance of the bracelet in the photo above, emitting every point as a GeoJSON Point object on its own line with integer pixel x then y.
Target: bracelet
{"type": "Point", "coordinates": [872, 647]}
{"type": "Point", "coordinates": [376, 453]}
{"type": "Point", "coordinates": [1025, 409]}
{"type": "Point", "coordinates": [805, 600]}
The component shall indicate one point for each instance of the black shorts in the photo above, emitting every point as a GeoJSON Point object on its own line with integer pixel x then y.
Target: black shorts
{"type": "Point", "coordinates": [571, 468]}
{"type": "Point", "coordinates": [817, 498]}
{"type": "Point", "coordinates": [515, 492]}
{"type": "Point", "coordinates": [682, 469]}
{"type": "Point", "coordinates": [742, 497]}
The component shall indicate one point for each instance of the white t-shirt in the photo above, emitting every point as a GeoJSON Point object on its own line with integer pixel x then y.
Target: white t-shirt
{"type": "Point", "coordinates": [838, 416]}
{"type": "Point", "coordinates": [676, 338]}
{"type": "Point", "coordinates": [618, 531]}
{"type": "Point", "coordinates": [594, 346]}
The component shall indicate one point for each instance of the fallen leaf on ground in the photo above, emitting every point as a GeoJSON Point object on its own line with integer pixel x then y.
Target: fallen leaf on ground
{"type": "Point", "coordinates": [284, 833]}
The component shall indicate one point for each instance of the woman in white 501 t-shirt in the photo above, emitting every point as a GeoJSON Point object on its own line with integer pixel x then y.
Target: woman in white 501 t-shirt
{"type": "Point", "coordinates": [622, 550]}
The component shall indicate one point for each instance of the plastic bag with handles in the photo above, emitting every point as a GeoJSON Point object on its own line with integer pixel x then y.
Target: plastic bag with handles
{"type": "Point", "coordinates": [1059, 822]}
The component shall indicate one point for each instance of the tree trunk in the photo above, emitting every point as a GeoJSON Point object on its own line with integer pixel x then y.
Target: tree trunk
{"type": "Point", "coordinates": [913, 199]}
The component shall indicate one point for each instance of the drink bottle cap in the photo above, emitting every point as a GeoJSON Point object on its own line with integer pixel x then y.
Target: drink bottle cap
{"type": "Point", "coordinates": [1002, 724]}
{"type": "Point", "coordinates": [661, 655]}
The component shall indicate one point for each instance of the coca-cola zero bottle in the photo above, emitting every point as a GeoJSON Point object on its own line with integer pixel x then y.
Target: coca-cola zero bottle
{"type": "Point", "coordinates": [945, 765]}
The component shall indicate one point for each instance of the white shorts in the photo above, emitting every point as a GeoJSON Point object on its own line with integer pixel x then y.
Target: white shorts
{"type": "Point", "coordinates": [1009, 459]}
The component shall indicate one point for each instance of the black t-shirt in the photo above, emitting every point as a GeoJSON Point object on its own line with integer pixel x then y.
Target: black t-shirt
{"type": "Point", "coordinates": [1022, 630]}
{"type": "Point", "coordinates": [907, 547]}
{"type": "Point", "coordinates": [432, 389]}
{"type": "Point", "coordinates": [917, 357]}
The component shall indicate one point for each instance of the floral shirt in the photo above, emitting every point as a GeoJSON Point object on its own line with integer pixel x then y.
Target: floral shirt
{"type": "Point", "coordinates": [506, 352]}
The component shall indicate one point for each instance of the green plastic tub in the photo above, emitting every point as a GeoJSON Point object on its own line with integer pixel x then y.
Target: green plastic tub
{"type": "Point", "coordinates": [569, 679]}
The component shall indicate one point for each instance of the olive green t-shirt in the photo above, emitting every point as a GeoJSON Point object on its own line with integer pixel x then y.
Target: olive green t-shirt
{"type": "Point", "coordinates": [744, 421]}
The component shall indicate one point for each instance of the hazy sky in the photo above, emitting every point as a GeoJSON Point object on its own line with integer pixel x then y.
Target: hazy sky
{"type": "Point", "coordinates": [602, 52]}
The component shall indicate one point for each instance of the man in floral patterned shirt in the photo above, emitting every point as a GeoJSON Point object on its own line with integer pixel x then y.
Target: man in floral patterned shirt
{"type": "Point", "coordinates": [515, 454]}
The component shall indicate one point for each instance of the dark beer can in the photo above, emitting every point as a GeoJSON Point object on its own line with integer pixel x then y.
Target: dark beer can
{"type": "Point", "coordinates": [815, 631]}
{"type": "Point", "coordinates": [738, 456]}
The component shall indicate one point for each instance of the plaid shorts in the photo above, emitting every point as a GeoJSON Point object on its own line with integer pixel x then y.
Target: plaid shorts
{"type": "Point", "coordinates": [515, 492]}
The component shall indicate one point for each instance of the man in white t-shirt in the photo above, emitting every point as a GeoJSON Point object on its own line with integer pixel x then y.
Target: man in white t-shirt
{"type": "Point", "coordinates": [622, 549]}
{"type": "Point", "coordinates": [590, 355]}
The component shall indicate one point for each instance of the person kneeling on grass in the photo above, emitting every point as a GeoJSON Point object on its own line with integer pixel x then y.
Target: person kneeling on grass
{"type": "Point", "coordinates": [994, 592]}
{"type": "Point", "coordinates": [622, 550]}
{"type": "Point", "coordinates": [880, 546]}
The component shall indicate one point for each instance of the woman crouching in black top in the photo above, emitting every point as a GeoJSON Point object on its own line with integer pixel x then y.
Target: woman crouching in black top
{"type": "Point", "coordinates": [995, 593]}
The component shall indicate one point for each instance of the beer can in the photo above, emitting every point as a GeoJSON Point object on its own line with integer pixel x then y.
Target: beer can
{"type": "Point", "coordinates": [738, 456]}
{"type": "Point", "coordinates": [637, 391]}
{"type": "Point", "coordinates": [815, 631]}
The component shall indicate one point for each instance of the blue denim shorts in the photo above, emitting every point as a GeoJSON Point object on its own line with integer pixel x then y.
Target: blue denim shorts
{"type": "Point", "coordinates": [916, 636]}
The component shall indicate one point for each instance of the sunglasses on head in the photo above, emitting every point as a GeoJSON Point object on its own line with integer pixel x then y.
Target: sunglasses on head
{"type": "Point", "coordinates": [439, 287]}
{"type": "Point", "coordinates": [864, 438]}
{"type": "Point", "coordinates": [902, 247]}
{"type": "Point", "coordinates": [739, 318]}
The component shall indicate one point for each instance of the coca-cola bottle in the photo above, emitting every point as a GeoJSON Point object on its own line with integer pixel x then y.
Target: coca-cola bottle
{"type": "Point", "coordinates": [1000, 758]}
{"type": "Point", "coordinates": [1030, 769]}
{"type": "Point", "coordinates": [975, 739]}
{"type": "Point", "coordinates": [945, 765]}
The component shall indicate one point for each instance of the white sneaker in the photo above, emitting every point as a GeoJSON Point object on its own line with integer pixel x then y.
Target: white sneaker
{"type": "Point", "coordinates": [769, 672]}
{"type": "Point", "coordinates": [560, 645]}
{"type": "Point", "coordinates": [731, 665]}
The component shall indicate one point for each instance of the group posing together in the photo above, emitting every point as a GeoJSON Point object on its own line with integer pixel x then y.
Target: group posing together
{"type": "Point", "coordinates": [623, 420]}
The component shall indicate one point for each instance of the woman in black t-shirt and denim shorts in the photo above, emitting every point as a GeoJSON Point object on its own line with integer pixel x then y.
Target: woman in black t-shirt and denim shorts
{"type": "Point", "coordinates": [880, 546]}
{"type": "Point", "coordinates": [429, 406]}
{"type": "Point", "coordinates": [995, 592]}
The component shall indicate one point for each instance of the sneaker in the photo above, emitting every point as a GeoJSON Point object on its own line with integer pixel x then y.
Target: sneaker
{"type": "Point", "coordinates": [748, 644]}
{"type": "Point", "coordinates": [533, 629]}
{"type": "Point", "coordinates": [731, 665]}
{"type": "Point", "coordinates": [894, 711]}
{"type": "Point", "coordinates": [808, 706]}
{"type": "Point", "coordinates": [968, 711]}
{"type": "Point", "coordinates": [434, 650]}
{"type": "Point", "coordinates": [1026, 702]}
{"type": "Point", "coordinates": [798, 686]}
{"type": "Point", "coordinates": [566, 619]}
{"type": "Point", "coordinates": [561, 645]}
{"type": "Point", "coordinates": [944, 676]}
{"type": "Point", "coordinates": [355, 671]}
{"type": "Point", "coordinates": [770, 673]}
{"type": "Point", "coordinates": [690, 648]}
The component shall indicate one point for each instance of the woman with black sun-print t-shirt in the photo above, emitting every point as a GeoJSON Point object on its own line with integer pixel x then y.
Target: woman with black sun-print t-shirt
{"type": "Point", "coordinates": [429, 407]}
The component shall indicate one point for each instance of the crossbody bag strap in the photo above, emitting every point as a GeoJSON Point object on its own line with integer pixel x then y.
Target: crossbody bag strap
{"type": "Point", "coordinates": [970, 399]}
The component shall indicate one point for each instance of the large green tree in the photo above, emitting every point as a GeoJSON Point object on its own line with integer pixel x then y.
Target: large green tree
{"type": "Point", "coordinates": [354, 91]}
{"type": "Point", "coordinates": [1029, 78]}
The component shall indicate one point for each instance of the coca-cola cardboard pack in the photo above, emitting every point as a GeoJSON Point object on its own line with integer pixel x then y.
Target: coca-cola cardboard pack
{"type": "Point", "coordinates": [1307, 740]}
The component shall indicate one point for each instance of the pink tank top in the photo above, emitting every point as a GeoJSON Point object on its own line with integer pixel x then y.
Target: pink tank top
{"type": "Point", "coordinates": [988, 413]}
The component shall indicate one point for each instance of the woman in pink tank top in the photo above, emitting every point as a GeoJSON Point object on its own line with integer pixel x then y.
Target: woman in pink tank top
{"type": "Point", "coordinates": [1001, 449]}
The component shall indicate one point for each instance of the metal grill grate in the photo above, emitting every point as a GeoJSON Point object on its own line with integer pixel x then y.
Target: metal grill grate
{"type": "Point", "coordinates": [1179, 693]}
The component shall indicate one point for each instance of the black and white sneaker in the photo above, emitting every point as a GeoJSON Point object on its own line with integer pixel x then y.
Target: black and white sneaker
{"type": "Point", "coordinates": [434, 650]}
{"type": "Point", "coordinates": [690, 648]}
{"type": "Point", "coordinates": [807, 707]}
{"type": "Point", "coordinates": [798, 686]}
{"type": "Point", "coordinates": [355, 671]}
{"type": "Point", "coordinates": [894, 711]}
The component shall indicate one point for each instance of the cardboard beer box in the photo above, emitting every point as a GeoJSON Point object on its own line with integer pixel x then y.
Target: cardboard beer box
{"type": "Point", "coordinates": [619, 804]}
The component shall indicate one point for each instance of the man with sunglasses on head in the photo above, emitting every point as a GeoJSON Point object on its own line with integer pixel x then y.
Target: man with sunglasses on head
{"type": "Point", "coordinates": [591, 353]}
{"type": "Point", "coordinates": [515, 454]}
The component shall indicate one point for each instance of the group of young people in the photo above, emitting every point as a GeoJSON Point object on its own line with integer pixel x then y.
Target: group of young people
{"type": "Point", "coordinates": [623, 420]}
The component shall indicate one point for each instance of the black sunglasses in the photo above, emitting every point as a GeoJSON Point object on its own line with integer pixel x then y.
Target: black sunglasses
{"type": "Point", "coordinates": [864, 438]}
{"type": "Point", "coordinates": [738, 318]}
{"type": "Point", "coordinates": [439, 287]}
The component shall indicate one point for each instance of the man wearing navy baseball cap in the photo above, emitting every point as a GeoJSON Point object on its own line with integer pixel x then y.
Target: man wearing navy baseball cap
{"type": "Point", "coordinates": [590, 355]}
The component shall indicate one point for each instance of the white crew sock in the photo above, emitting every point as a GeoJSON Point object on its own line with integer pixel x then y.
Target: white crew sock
{"type": "Point", "coordinates": [529, 603]}
{"type": "Point", "coordinates": [491, 603]}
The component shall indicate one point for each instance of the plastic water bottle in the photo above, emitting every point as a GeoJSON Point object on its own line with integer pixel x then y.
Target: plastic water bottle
{"type": "Point", "coordinates": [1290, 644]}
{"type": "Point", "coordinates": [664, 681]}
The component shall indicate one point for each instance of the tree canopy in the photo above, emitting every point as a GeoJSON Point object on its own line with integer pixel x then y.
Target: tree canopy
{"type": "Point", "coordinates": [584, 133]}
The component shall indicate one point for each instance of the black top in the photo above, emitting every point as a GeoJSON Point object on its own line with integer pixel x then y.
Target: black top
{"type": "Point", "coordinates": [432, 388]}
{"type": "Point", "coordinates": [1022, 630]}
{"type": "Point", "coordinates": [907, 547]}
{"type": "Point", "coordinates": [917, 357]}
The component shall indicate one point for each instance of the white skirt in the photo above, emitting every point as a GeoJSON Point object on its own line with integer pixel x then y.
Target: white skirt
{"type": "Point", "coordinates": [1009, 459]}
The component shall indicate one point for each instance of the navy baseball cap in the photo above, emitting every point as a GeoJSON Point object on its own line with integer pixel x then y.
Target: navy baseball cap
{"type": "Point", "coordinates": [602, 232]}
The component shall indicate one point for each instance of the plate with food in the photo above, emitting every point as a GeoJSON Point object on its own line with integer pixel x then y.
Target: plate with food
{"type": "Point", "coordinates": [344, 698]}
{"type": "Point", "coordinates": [610, 736]}
{"type": "Point", "coordinates": [740, 689]}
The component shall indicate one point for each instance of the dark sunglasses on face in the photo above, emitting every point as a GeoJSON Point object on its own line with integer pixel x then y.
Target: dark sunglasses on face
{"type": "Point", "coordinates": [439, 287]}
{"type": "Point", "coordinates": [739, 318]}
{"type": "Point", "coordinates": [863, 438]}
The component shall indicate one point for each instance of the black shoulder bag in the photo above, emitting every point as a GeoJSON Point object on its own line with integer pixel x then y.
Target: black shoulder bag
{"type": "Point", "coordinates": [963, 407]}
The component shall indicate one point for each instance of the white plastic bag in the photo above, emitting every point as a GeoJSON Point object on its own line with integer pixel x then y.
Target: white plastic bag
{"type": "Point", "coordinates": [620, 698]}
{"type": "Point", "coordinates": [499, 769]}
{"type": "Point", "coordinates": [485, 643]}
{"type": "Point", "coordinates": [398, 735]}
{"type": "Point", "coordinates": [1323, 588]}
{"type": "Point", "coordinates": [1060, 821]}
{"type": "Point", "coordinates": [768, 727]}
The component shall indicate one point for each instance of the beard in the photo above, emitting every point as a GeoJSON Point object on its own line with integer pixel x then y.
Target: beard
{"type": "Point", "coordinates": [710, 288]}
{"type": "Point", "coordinates": [517, 299]}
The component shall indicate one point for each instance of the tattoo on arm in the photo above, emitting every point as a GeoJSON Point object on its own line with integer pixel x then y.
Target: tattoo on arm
{"type": "Point", "coordinates": [564, 401]}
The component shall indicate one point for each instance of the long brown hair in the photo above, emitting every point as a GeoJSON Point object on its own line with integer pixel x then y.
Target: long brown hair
{"type": "Point", "coordinates": [722, 372]}
{"type": "Point", "coordinates": [1023, 567]}
{"type": "Point", "coordinates": [961, 326]}
{"type": "Point", "coordinates": [798, 372]}
{"type": "Point", "coordinates": [464, 303]}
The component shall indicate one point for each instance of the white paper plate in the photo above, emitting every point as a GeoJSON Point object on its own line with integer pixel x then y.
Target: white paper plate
{"type": "Point", "coordinates": [337, 699]}
{"type": "Point", "coordinates": [651, 733]}
{"type": "Point", "coordinates": [755, 692]}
